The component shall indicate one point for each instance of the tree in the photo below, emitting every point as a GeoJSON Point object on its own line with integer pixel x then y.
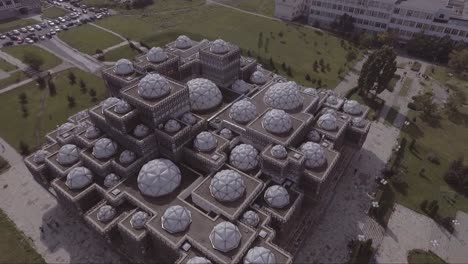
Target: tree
{"type": "Point", "coordinates": [272, 63]}
{"type": "Point", "coordinates": [249, 54]}
{"type": "Point", "coordinates": [92, 92]}
{"type": "Point", "coordinates": [457, 175]}
{"type": "Point", "coordinates": [24, 148]}
{"type": "Point", "coordinates": [289, 71]}
{"type": "Point", "coordinates": [351, 55]}
{"type": "Point", "coordinates": [344, 24]}
{"type": "Point", "coordinates": [283, 65]}
{"type": "Point", "coordinates": [319, 82]}
{"type": "Point", "coordinates": [52, 90]}
{"type": "Point", "coordinates": [458, 60]}
{"type": "Point", "coordinates": [71, 77]}
{"type": "Point", "coordinates": [316, 66]}
{"type": "Point", "coordinates": [71, 101]}
{"type": "Point", "coordinates": [41, 83]}
{"type": "Point", "coordinates": [33, 60]}
{"type": "Point", "coordinates": [23, 98]}
{"type": "Point", "coordinates": [260, 41]}
{"type": "Point", "coordinates": [307, 77]}
{"type": "Point", "coordinates": [366, 40]}
{"type": "Point", "coordinates": [388, 38]}
{"type": "Point", "coordinates": [436, 49]}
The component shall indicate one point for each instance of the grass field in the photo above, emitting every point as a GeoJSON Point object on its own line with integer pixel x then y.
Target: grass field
{"type": "Point", "coordinates": [452, 80]}
{"type": "Point", "coordinates": [406, 86]}
{"type": "Point", "coordinates": [6, 66]}
{"type": "Point", "coordinates": [88, 38]}
{"type": "Point", "coordinates": [264, 7]}
{"type": "Point", "coordinates": [296, 46]}
{"type": "Point", "coordinates": [10, 24]}
{"type": "Point", "coordinates": [14, 78]}
{"type": "Point", "coordinates": [45, 111]}
{"type": "Point", "coordinates": [157, 6]}
{"type": "Point", "coordinates": [121, 52]}
{"type": "Point", "coordinates": [417, 256]}
{"type": "Point", "coordinates": [50, 60]}
{"type": "Point", "coordinates": [53, 12]}
{"type": "Point", "coordinates": [14, 245]}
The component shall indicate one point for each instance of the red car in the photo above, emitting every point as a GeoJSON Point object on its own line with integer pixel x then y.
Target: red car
{"type": "Point", "coordinates": [19, 40]}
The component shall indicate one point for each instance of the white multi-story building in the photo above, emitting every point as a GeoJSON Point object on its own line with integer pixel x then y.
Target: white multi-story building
{"type": "Point", "coordinates": [14, 8]}
{"type": "Point", "coordinates": [405, 17]}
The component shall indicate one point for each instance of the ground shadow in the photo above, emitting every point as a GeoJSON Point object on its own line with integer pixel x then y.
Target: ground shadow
{"type": "Point", "coordinates": [432, 121]}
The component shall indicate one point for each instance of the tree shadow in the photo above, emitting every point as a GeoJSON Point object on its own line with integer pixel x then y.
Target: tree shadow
{"type": "Point", "coordinates": [432, 121]}
{"type": "Point", "coordinates": [413, 130]}
{"type": "Point", "coordinates": [401, 187]}
{"type": "Point", "coordinates": [458, 118]}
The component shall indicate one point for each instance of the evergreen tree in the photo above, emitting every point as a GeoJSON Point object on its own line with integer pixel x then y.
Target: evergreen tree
{"type": "Point", "coordinates": [52, 90]}
{"type": "Point", "coordinates": [307, 77]}
{"type": "Point", "coordinates": [71, 77]}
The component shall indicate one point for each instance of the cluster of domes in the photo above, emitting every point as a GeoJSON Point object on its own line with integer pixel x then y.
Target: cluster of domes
{"type": "Point", "coordinates": [153, 86]}
{"type": "Point", "coordinates": [172, 126]}
{"type": "Point", "coordinates": [226, 133]}
{"type": "Point", "coordinates": [203, 94]}
{"type": "Point", "coordinates": [314, 136]}
{"type": "Point", "coordinates": [277, 121]}
{"type": "Point", "coordinates": [188, 118]}
{"type": "Point", "coordinates": [111, 180]}
{"type": "Point", "coordinates": [205, 141]}
{"type": "Point", "coordinates": [104, 148]}
{"type": "Point", "coordinates": [284, 96]}
{"type": "Point", "coordinates": [106, 213]}
{"type": "Point", "coordinates": [314, 155]}
{"type": "Point", "coordinates": [92, 132]}
{"type": "Point", "coordinates": [243, 111]}
{"type": "Point", "coordinates": [258, 77]}
{"type": "Point", "coordinates": [352, 107]}
{"type": "Point", "coordinates": [139, 219]}
{"type": "Point", "coordinates": [250, 218]}
{"type": "Point", "coordinates": [225, 236]}
{"type": "Point", "coordinates": [68, 155]}
{"type": "Point", "coordinates": [259, 255]}
{"type": "Point", "coordinates": [240, 86]}
{"type": "Point", "coordinates": [122, 107]}
{"type": "Point", "coordinates": [279, 152]}
{"type": "Point", "coordinates": [244, 157]}
{"type": "Point", "coordinates": [123, 67]}
{"type": "Point", "coordinates": [141, 131]}
{"type": "Point", "coordinates": [276, 196]}
{"type": "Point", "coordinates": [219, 46]}
{"type": "Point", "coordinates": [156, 55]}
{"type": "Point", "coordinates": [183, 42]}
{"type": "Point", "coordinates": [176, 219]}
{"type": "Point", "coordinates": [127, 157]}
{"type": "Point", "coordinates": [327, 121]}
{"type": "Point", "coordinates": [227, 186]}
{"type": "Point", "coordinates": [40, 156]}
{"type": "Point", "coordinates": [78, 178]}
{"type": "Point", "coordinates": [158, 177]}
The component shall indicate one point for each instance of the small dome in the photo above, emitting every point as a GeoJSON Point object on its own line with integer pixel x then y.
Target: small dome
{"type": "Point", "coordinates": [40, 156]}
{"type": "Point", "coordinates": [92, 132]}
{"type": "Point", "coordinates": [250, 218]}
{"type": "Point", "coordinates": [219, 46]}
{"type": "Point", "coordinates": [329, 111]}
{"type": "Point", "coordinates": [277, 121]}
{"type": "Point", "coordinates": [172, 126]}
{"type": "Point", "coordinates": [106, 213]}
{"type": "Point", "coordinates": [358, 122]}
{"type": "Point", "coordinates": [153, 86]}
{"type": "Point", "coordinates": [65, 128]}
{"type": "Point", "coordinates": [123, 67]}
{"type": "Point", "coordinates": [204, 94]}
{"type": "Point", "coordinates": [104, 148]}
{"type": "Point", "coordinates": [183, 42]}
{"type": "Point", "coordinates": [314, 136]}
{"type": "Point", "coordinates": [188, 118]}
{"type": "Point", "coordinates": [327, 122]}
{"type": "Point", "coordinates": [111, 180]}
{"type": "Point", "coordinates": [68, 154]}
{"type": "Point", "coordinates": [259, 255]}
{"type": "Point", "coordinates": [80, 127]}
{"type": "Point", "coordinates": [156, 55]}
{"type": "Point", "coordinates": [158, 177]}
{"type": "Point", "coordinates": [227, 186]}
{"type": "Point", "coordinates": [176, 219]}
{"type": "Point", "coordinates": [78, 178]}
{"type": "Point", "coordinates": [122, 107]}
{"type": "Point", "coordinates": [139, 219]}
{"type": "Point", "coordinates": [276, 196]}
{"type": "Point", "coordinates": [225, 236]}
{"type": "Point", "coordinates": [240, 86]}
{"type": "Point", "coordinates": [226, 133]}
{"type": "Point", "coordinates": [205, 141]}
{"type": "Point", "coordinates": [279, 152]}
{"type": "Point", "coordinates": [244, 157]}
{"type": "Point", "coordinates": [198, 260]}
{"type": "Point", "coordinates": [81, 115]}
{"type": "Point", "coordinates": [352, 107]}
{"type": "Point", "coordinates": [258, 78]}
{"type": "Point", "coordinates": [284, 96]}
{"type": "Point", "coordinates": [141, 131]}
{"type": "Point", "coordinates": [314, 155]}
{"type": "Point", "coordinates": [111, 101]}
{"type": "Point", "coordinates": [311, 91]}
{"type": "Point", "coordinates": [332, 100]}
{"type": "Point", "coordinates": [127, 157]}
{"type": "Point", "coordinates": [243, 111]}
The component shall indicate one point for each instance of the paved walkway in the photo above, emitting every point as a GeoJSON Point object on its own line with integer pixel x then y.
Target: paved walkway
{"type": "Point", "coordinates": [109, 31]}
{"type": "Point", "coordinates": [14, 61]}
{"type": "Point", "coordinates": [121, 44]}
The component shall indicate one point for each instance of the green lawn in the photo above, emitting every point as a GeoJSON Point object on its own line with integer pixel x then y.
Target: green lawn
{"type": "Point", "coordinates": [296, 46]}
{"type": "Point", "coordinates": [120, 53]}
{"type": "Point", "coordinates": [50, 60]}
{"type": "Point", "coordinates": [14, 78]}
{"type": "Point", "coordinates": [264, 7]}
{"type": "Point", "coordinates": [449, 78]}
{"type": "Point", "coordinates": [53, 12]}
{"type": "Point", "coordinates": [45, 111]}
{"type": "Point", "coordinates": [10, 24]}
{"type": "Point", "coordinates": [14, 245]}
{"type": "Point", "coordinates": [157, 6]}
{"type": "Point", "coordinates": [88, 38]}
{"type": "Point", "coordinates": [406, 86]}
{"type": "Point", "coordinates": [6, 66]}
{"type": "Point", "coordinates": [418, 256]}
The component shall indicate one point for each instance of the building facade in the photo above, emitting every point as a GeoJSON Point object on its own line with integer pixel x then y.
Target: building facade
{"type": "Point", "coordinates": [14, 8]}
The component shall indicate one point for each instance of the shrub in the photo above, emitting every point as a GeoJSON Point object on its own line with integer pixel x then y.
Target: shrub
{"type": "Point", "coordinates": [99, 51]}
{"type": "Point", "coordinates": [416, 66]}
{"type": "Point", "coordinates": [434, 158]}
{"type": "Point", "coordinates": [413, 106]}
{"type": "Point", "coordinates": [423, 205]}
{"type": "Point", "coordinates": [448, 224]}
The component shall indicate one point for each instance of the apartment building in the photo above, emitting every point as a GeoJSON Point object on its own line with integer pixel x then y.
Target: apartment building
{"type": "Point", "coordinates": [14, 8]}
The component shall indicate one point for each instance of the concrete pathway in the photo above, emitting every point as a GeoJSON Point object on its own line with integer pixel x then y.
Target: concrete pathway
{"type": "Point", "coordinates": [121, 44]}
{"type": "Point", "coordinates": [14, 61]}
{"type": "Point", "coordinates": [109, 31]}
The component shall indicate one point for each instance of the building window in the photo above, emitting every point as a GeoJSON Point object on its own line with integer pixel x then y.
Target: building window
{"type": "Point", "coordinates": [419, 25]}
{"type": "Point", "coordinates": [447, 31]}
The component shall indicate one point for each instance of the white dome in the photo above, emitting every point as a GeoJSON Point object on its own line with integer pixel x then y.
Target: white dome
{"type": "Point", "coordinates": [327, 122]}
{"type": "Point", "coordinates": [219, 46]}
{"type": "Point", "coordinates": [311, 91]}
{"type": "Point", "coordinates": [156, 55]}
{"type": "Point", "coordinates": [227, 186]}
{"type": "Point", "coordinates": [111, 180]}
{"type": "Point", "coordinates": [92, 132]}
{"type": "Point", "coordinates": [176, 219]}
{"type": "Point", "coordinates": [277, 121]}
{"type": "Point", "coordinates": [68, 154]}
{"type": "Point", "coordinates": [40, 156]}
{"type": "Point", "coordinates": [240, 86]}
{"type": "Point", "coordinates": [204, 94]}
{"type": "Point", "coordinates": [111, 101]}
{"type": "Point", "coordinates": [258, 77]}
{"type": "Point", "coordinates": [141, 131]}
{"type": "Point", "coordinates": [183, 42]}
{"type": "Point", "coordinates": [81, 115]}
{"type": "Point", "coordinates": [139, 219]}
{"type": "Point", "coordinates": [284, 96]}
{"type": "Point", "coordinates": [276, 196]}
{"type": "Point", "coordinates": [314, 136]}
{"type": "Point", "coordinates": [153, 86]}
{"type": "Point", "coordinates": [358, 122]}
{"type": "Point", "coordinates": [122, 107]}
{"type": "Point", "coordinates": [172, 126]}
{"type": "Point", "coordinates": [123, 67]}
{"type": "Point", "coordinates": [188, 118]}
{"type": "Point", "coordinates": [243, 111]}
{"type": "Point", "coordinates": [250, 218]}
{"type": "Point", "coordinates": [158, 177]}
{"type": "Point", "coordinates": [225, 236]}
{"type": "Point", "coordinates": [104, 148]}
{"type": "Point", "coordinates": [279, 152]}
{"type": "Point", "coordinates": [259, 255]}
{"type": "Point", "coordinates": [352, 107]}
{"type": "Point", "coordinates": [78, 178]}
{"type": "Point", "coordinates": [106, 213]}
{"type": "Point", "coordinates": [80, 127]}
{"type": "Point", "coordinates": [198, 260]}
{"type": "Point", "coordinates": [332, 100]}
{"type": "Point", "coordinates": [127, 157]}
{"type": "Point", "coordinates": [226, 133]}
{"type": "Point", "coordinates": [65, 128]}
{"type": "Point", "coordinates": [314, 155]}
{"type": "Point", "coordinates": [244, 157]}
{"type": "Point", "coordinates": [329, 111]}
{"type": "Point", "coordinates": [205, 141]}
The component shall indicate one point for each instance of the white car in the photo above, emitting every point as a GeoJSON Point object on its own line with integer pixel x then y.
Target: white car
{"type": "Point", "coordinates": [51, 23]}
{"type": "Point", "coordinates": [42, 37]}
{"type": "Point", "coordinates": [16, 32]}
{"type": "Point", "coordinates": [38, 27]}
{"type": "Point", "coordinates": [31, 29]}
{"type": "Point", "coordinates": [57, 29]}
{"type": "Point", "coordinates": [29, 41]}
{"type": "Point", "coordinates": [52, 32]}
{"type": "Point", "coordinates": [23, 30]}
{"type": "Point", "coordinates": [2, 36]}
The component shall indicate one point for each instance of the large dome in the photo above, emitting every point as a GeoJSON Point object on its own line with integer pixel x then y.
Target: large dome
{"type": "Point", "coordinates": [92, 132]}
{"type": "Point", "coordinates": [314, 155]}
{"type": "Point", "coordinates": [279, 152]}
{"type": "Point", "coordinates": [106, 213]}
{"type": "Point", "coordinates": [158, 177]}
{"type": "Point", "coordinates": [156, 55]}
{"type": "Point", "coordinates": [40, 156]}
{"type": "Point", "coordinates": [111, 180]}
{"type": "Point", "coordinates": [314, 136]}
{"type": "Point", "coordinates": [327, 122]}
{"type": "Point", "coordinates": [219, 46]}
{"type": "Point", "coordinates": [284, 96]}
{"type": "Point", "coordinates": [258, 78]}
{"type": "Point", "coordinates": [225, 236]}
{"type": "Point", "coordinates": [127, 157]}
{"type": "Point", "coordinates": [259, 255]}
{"type": "Point", "coordinates": [176, 219]}
{"type": "Point", "coordinates": [153, 86]}
{"type": "Point", "coordinates": [111, 101]}
{"type": "Point", "coordinates": [243, 111]}
{"type": "Point", "coordinates": [277, 121]}
{"type": "Point", "coordinates": [276, 196]}
{"type": "Point", "coordinates": [244, 157]}
{"type": "Point", "coordinates": [204, 94]}
{"type": "Point", "coordinates": [240, 86]}
{"type": "Point", "coordinates": [251, 218]}
{"type": "Point", "coordinates": [227, 186]}
{"type": "Point", "coordinates": [68, 154]}
{"type": "Point", "coordinates": [172, 126]}
{"type": "Point", "coordinates": [104, 148]}
{"type": "Point", "coordinates": [123, 67]}
{"type": "Point", "coordinates": [198, 260]}
{"type": "Point", "coordinates": [352, 107]}
{"type": "Point", "coordinates": [78, 178]}
{"type": "Point", "coordinates": [139, 219]}
{"type": "Point", "coordinates": [183, 42]}
{"type": "Point", "coordinates": [122, 107]}
{"type": "Point", "coordinates": [205, 141]}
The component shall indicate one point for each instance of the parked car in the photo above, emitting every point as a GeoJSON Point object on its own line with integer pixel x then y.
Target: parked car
{"type": "Point", "coordinates": [43, 25]}
{"type": "Point", "coordinates": [23, 30]}
{"type": "Point", "coordinates": [51, 24]}
{"type": "Point", "coordinates": [16, 32]}
{"type": "Point", "coordinates": [2, 36]}
{"type": "Point", "coordinates": [52, 32]}
{"type": "Point", "coordinates": [63, 27]}
{"type": "Point", "coordinates": [19, 40]}
{"type": "Point", "coordinates": [48, 35]}
{"type": "Point", "coordinates": [42, 37]}
{"type": "Point", "coordinates": [38, 27]}
{"type": "Point", "coordinates": [7, 44]}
